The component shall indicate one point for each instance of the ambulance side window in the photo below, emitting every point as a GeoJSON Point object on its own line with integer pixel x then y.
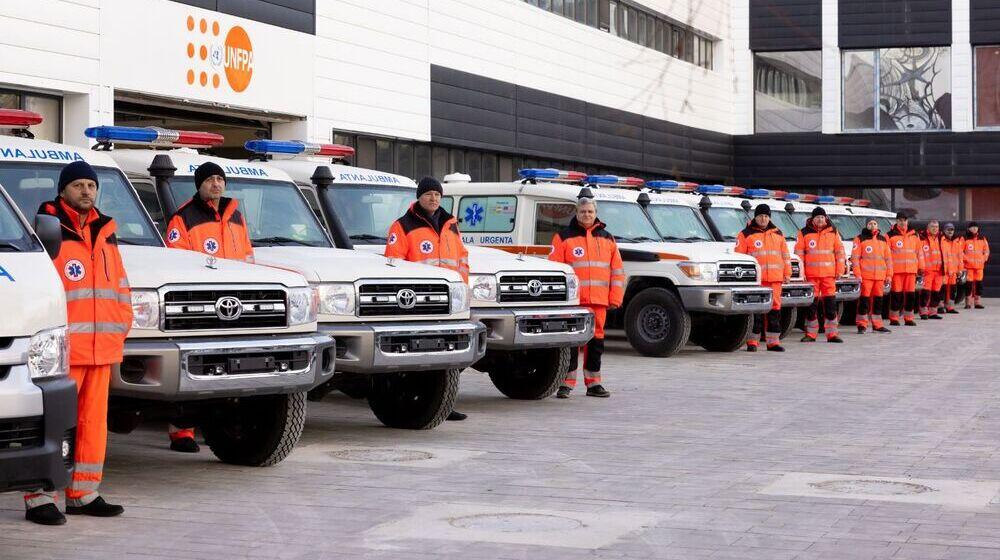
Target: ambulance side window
{"type": "Point", "coordinates": [550, 218]}
{"type": "Point", "coordinates": [148, 198]}
{"type": "Point", "coordinates": [313, 201]}
{"type": "Point", "coordinates": [448, 203]}
{"type": "Point", "coordinates": [487, 214]}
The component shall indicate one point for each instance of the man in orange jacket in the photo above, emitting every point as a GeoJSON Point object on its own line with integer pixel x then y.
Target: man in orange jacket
{"type": "Point", "coordinates": [933, 250]}
{"type": "Point", "coordinates": [952, 246]}
{"type": "Point", "coordinates": [99, 310]}
{"type": "Point", "coordinates": [822, 253]}
{"type": "Point", "coordinates": [591, 250]}
{"type": "Point", "coordinates": [975, 255]}
{"type": "Point", "coordinates": [209, 223]}
{"type": "Point", "coordinates": [872, 263]}
{"type": "Point", "coordinates": [427, 234]}
{"type": "Point", "coordinates": [763, 241]}
{"type": "Point", "coordinates": [907, 262]}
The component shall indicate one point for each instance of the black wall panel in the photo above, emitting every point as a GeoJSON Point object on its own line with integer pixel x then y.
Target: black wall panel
{"type": "Point", "coordinates": [297, 15]}
{"type": "Point", "coordinates": [477, 112]}
{"type": "Point", "coordinates": [984, 23]}
{"type": "Point", "coordinates": [894, 23]}
{"type": "Point", "coordinates": [786, 25]}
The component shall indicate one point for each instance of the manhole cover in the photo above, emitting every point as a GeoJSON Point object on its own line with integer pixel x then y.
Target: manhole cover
{"type": "Point", "coordinates": [516, 522]}
{"type": "Point", "coordinates": [872, 487]}
{"type": "Point", "coordinates": [382, 455]}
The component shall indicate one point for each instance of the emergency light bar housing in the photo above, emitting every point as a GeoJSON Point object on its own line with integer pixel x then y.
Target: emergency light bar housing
{"type": "Point", "coordinates": [764, 193]}
{"type": "Point", "coordinates": [153, 136]}
{"type": "Point", "coordinates": [614, 180]}
{"type": "Point", "coordinates": [556, 175]}
{"type": "Point", "coordinates": [298, 148]}
{"type": "Point", "coordinates": [861, 202]}
{"type": "Point", "coordinates": [16, 118]}
{"type": "Point", "coordinates": [671, 185]}
{"type": "Point", "coordinates": [835, 200]}
{"type": "Point", "coordinates": [720, 189]}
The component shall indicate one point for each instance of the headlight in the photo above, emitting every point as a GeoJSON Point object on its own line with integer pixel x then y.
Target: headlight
{"type": "Point", "coordinates": [145, 309]}
{"type": "Point", "coordinates": [572, 287]}
{"type": "Point", "coordinates": [336, 299]}
{"type": "Point", "coordinates": [48, 354]}
{"type": "Point", "coordinates": [458, 296]}
{"type": "Point", "coordinates": [707, 272]}
{"type": "Point", "coordinates": [302, 305]}
{"type": "Point", "coordinates": [484, 287]}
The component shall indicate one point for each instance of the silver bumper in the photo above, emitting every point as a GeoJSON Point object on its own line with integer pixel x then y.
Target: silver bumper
{"type": "Point", "coordinates": [726, 300]}
{"type": "Point", "coordinates": [797, 294]}
{"type": "Point", "coordinates": [551, 327]}
{"type": "Point", "coordinates": [848, 289]}
{"type": "Point", "coordinates": [385, 347]}
{"type": "Point", "coordinates": [182, 369]}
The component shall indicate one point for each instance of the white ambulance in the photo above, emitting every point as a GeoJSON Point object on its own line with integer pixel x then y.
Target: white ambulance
{"type": "Point", "coordinates": [403, 330]}
{"type": "Point", "coordinates": [225, 346]}
{"type": "Point", "coordinates": [530, 308]}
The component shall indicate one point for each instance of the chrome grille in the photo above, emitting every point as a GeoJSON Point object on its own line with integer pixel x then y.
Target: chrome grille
{"type": "Point", "coordinates": [224, 308]}
{"type": "Point", "coordinates": [532, 288]}
{"type": "Point", "coordinates": [737, 272]}
{"type": "Point", "coordinates": [402, 299]}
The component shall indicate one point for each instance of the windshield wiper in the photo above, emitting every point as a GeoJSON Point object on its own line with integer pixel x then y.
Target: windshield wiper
{"type": "Point", "coordinates": [4, 246]}
{"type": "Point", "coordinates": [675, 238]}
{"type": "Point", "coordinates": [625, 239]}
{"type": "Point", "coordinates": [127, 242]}
{"type": "Point", "coordinates": [697, 238]}
{"type": "Point", "coordinates": [644, 238]}
{"type": "Point", "coordinates": [278, 240]}
{"type": "Point", "coordinates": [367, 237]}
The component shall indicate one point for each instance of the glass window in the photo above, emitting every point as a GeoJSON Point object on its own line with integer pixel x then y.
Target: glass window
{"type": "Point", "coordinates": [988, 86]}
{"type": "Point", "coordinates": [50, 108]}
{"type": "Point", "coordinates": [661, 31]}
{"type": "Point", "coordinates": [641, 28]}
{"type": "Point", "coordinates": [422, 161]}
{"type": "Point", "coordinates": [367, 211]}
{"type": "Point", "coordinates": [14, 236]}
{"type": "Point", "coordinates": [626, 221]}
{"type": "Point", "coordinates": [728, 221]}
{"type": "Point", "coordinates": [915, 88]}
{"type": "Point", "coordinates": [545, 4]}
{"type": "Point", "coordinates": [490, 164]}
{"type": "Point", "coordinates": [785, 223]}
{"type": "Point", "coordinates": [366, 153]}
{"type": "Point", "coordinates": [633, 24]}
{"type": "Point", "coordinates": [148, 198]}
{"type": "Point", "coordinates": [982, 203]}
{"type": "Point", "coordinates": [593, 14]}
{"type": "Point", "coordinates": [490, 214]}
{"type": "Point", "coordinates": [859, 90]}
{"type": "Point", "coordinates": [447, 202]}
{"type": "Point", "coordinates": [848, 226]}
{"type": "Point", "coordinates": [550, 218]}
{"type": "Point", "coordinates": [440, 162]}
{"type": "Point", "coordinates": [557, 6]}
{"type": "Point", "coordinates": [800, 219]}
{"type": "Point", "coordinates": [678, 223]}
{"type": "Point", "coordinates": [474, 164]}
{"type": "Point", "coordinates": [383, 155]}
{"type": "Point", "coordinates": [793, 103]}
{"type": "Point", "coordinates": [456, 161]}
{"type": "Point", "coordinates": [650, 32]}
{"type": "Point", "coordinates": [404, 159]}
{"type": "Point", "coordinates": [10, 100]}
{"type": "Point", "coordinates": [580, 12]}
{"type": "Point", "coordinates": [613, 16]}
{"type": "Point", "coordinates": [929, 202]}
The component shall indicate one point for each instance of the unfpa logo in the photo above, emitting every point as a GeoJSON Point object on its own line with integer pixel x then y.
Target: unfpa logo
{"type": "Point", "coordinates": [212, 59]}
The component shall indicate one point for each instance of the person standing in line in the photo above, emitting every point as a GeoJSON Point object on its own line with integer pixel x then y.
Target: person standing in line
{"type": "Point", "coordinates": [872, 263]}
{"type": "Point", "coordinates": [822, 253]}
{"type": "Point", "coordinates": [951, 246]}
{"type": "Point", "coordinates": [907, 262]}
{"type": "Point", "coordinates": [975, 255]}
{"type": "Point", "coordinates": [763, 241]}
{"type": "Point", "coordinates": [934, 270]}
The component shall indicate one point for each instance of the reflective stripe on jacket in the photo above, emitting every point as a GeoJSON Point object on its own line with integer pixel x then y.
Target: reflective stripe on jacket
{"type": "Point", "coordinates": [821, 251]}
{"type": "Point", "coordinates": [870, 257]}
{"type": "Point", "coordinates": [933, 252]}
{"type": "Point", "coordinates": [907, 258]}
{"type": "Point", "coordinates": [98, 299]}
{"type": "Point", "coordinates": [954, 261]}
{"type": "Point", "coordinates": [414, 238]}
{"type": "Point", "coordinates": [976, 251]}
{"type": "Point", "coordinates": [769, 248]}
{"type": "Point", "coordinates": [222, 232]}
{"type": "Point", "coordinates": [594, 256]}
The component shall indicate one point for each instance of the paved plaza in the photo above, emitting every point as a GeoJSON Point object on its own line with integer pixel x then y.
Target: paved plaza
{"type": "Point", "coordinates": [887, 446]}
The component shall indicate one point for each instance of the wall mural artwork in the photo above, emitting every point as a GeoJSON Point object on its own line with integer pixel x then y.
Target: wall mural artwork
{"type": "Point", "coordinates": [914, 89]}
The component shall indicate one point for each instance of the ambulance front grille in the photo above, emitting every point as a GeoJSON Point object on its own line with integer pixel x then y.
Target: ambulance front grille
{"type": "Point", "coordinates": [224, 309]}
{"type": "Point", "coordinates": [397, 298]}
{"type": "Point", "coordinates": [737, 272]}
{"type": "Point", "coordinates": [527, 288]}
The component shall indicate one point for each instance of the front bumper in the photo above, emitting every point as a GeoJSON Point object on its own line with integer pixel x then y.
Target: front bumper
{"type": "Point", "coordinates": [546, 327]}
{"type": "Point", "coordinates": [385, 347]}
{"type": "Point", "coordinates": [848, 289]}
{"type": "Point", "coordinates": [797, 294]}
{"type": "Point", "coordinates": [184, 369]}
{"type": "Point", "coordinates": [726, 300]}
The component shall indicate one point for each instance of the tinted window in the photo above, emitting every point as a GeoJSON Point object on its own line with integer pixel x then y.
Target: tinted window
{"type": "Point", "coordinates": [729, 221]}
{"type": "Point", "coordinates": [847, 225]}
{"type": "Point", "coordinates": [785, 223]}
{"type": "Point", "coordinates": [626, 221]}
{"type": "Point", "coordinates": [679, 223]}
{"type": "Point", "coordinates": [367, 211]}
{"type": "Point", "coordinates": [13, 235]}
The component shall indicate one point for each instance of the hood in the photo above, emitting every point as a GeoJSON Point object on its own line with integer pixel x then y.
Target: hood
{"type": "Point", "coordinates": [486, 260]}
{"type": "Point", "coordinates": [153, 267]}
{"type": "Point", "coordinates": [324, 264]}
{"type": "Point", "coordinates": [31, 294]}
{"type": "Point", "coordinates": [704, 251]}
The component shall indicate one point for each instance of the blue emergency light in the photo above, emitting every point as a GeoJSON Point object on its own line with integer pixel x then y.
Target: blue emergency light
{"type": "Point", "coordinates": [153, 136]}
{"type": "Point", "coordinates": [614, 180]}
{"type": "Point", "coordinates": [296, 147]}
{"type": "Point", "coordinates": [671, 185]}
{"type": "Point", "coordinates": [533, 174]}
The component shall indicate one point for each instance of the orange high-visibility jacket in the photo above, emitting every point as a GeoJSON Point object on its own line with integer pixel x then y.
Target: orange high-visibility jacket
{"type": "Point", "coordinates": [954, 261]}
{"type": "Point", "coordinates": [976, 251]}
{"type": "Point", "coordinates": [197, 226]}
{"type": "Point", "coordinates": [414, 238]}
{"type": "Point", "coordinates": [821, 251]}
{"type": "Point", "coordinates": [870, 257]}
{"type": "Point", "coordinates": [905, 246]}
{"type": "Point", "coordinates": [98, 299]}
{"type": "Point", "coordinates": [594, 256]}
{"type": "Point", "coordinates": [769, 248]}
{"type": "Point", "coordinates": [933, 252]}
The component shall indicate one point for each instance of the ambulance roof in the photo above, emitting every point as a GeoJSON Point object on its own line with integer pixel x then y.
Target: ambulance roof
{"type": "Point", "coordinates": [301, 169]}
{"type": "Point", "coordinates": [186, 160]}
{"type": "Point", "coordinates": [16, 149]}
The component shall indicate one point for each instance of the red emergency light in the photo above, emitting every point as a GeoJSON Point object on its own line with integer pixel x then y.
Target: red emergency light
{"type": "Point", "coordinates": [16, 118]}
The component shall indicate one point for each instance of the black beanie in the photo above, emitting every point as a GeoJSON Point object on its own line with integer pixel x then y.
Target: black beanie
{"type": "Point", "coordinates": [429, 184]}
{"type": "Point", "coordinates": [902, 215]}
{"type": "Point", "coordinates": [74, 171]}
{"type": "Point", "coordinates": [762, 209]}
{"type": "Point", "coordinates": [818, 211]}
{"type": "Point", "coordinates": [205, 171]}
{"type": "Point", "coordinates": [972, 224]}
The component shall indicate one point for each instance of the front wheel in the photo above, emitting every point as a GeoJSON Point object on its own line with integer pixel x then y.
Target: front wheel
{"type": "Point", "coordinates": [656, 323]}
{"type": "Point", "coordinates": [257, 431]}
{"type": "Point", "coordinates": [725, 333]}
{"type": "Point", "coordinates": [532, 374]}
{"type": "Point", "coordinates": [414, 400]}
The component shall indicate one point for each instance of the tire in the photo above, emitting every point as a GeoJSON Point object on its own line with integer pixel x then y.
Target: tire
{"type": "Point", "coordinates": [534, 374]}
{"type": "Point", "coordinates": [726, 333]}
{"type": "Point", "coordinates": [789, 316]}
{"type": "Point", "coordinates": [656, 323]}
{"type": "Point", "coordinates": [414, 400]}
{"type": "Point", "coordinates": [257, 431]}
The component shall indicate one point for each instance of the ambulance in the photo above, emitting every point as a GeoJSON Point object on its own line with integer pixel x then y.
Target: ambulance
{"type": "Point", "coordinates": [228, 347]}
{"type": "Point", "coordinates": [530, 307]}
{"type": "Point", "coordinates": [37, 399]}
{"type": "Point", "coordinates": [679, 286]}
{"type": "Point", "coordinates": [403, 330]}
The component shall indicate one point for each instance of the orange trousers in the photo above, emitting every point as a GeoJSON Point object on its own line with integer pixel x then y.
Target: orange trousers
{"type": "Point", "coordinates": [91, 438]}
{"type": "Point", "coordinates": [592, 352]}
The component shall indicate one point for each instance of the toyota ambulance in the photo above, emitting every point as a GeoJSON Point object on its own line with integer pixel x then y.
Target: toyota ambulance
{"type": "Point", "coordinates": [228, 347]}
{"type": "Point", "coordinates": [403, 330]}
{"type": "Point", "coordinates": [530, 307]}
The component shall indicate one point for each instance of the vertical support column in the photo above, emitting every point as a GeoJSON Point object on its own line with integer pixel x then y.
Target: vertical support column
{"type": "Point", "coordinates": [742, 68]}
{"type": "Point", "coordinates": [82, 110]}
{"type": "Point", "coordinates": [832, 82]}
{"type": "Point", "coordinates": [962, 80]}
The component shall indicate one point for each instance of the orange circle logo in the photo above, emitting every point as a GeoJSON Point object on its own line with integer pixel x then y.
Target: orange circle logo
{"type": "Point", "coordinates": [238, 59]}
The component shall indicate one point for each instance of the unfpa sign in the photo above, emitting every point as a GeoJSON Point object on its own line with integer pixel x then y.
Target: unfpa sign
{"type": "Point", "coordinates": [233, 58]}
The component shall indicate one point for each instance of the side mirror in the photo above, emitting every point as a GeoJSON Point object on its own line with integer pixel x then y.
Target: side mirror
{"type": "Point", "coordinates": [49, 232]}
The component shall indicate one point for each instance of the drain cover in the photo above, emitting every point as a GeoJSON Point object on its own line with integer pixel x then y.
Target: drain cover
{"type": "Point", "coordinates": [381, 455]}
{"type": "Point", "coordinates": [872, 487]}
{"type": "Point", "coordinates": [516, 522]}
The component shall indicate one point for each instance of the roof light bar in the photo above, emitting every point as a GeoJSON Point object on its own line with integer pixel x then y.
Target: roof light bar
{"type": "Point", "coordinates": [829, 199]}
{"type": "Point", "coordinates": [614, 180]}
{"type": "Point", "coordinates": [765, 193]}
{"type": "Point", "coordinates": [861, 202]}
{"type": "Point", "coordinates": [550, 174]}
{"type": "Point", "coordinates": [670, 185]}
{"type": "Point", "coordinates": [16, 118]}
{"type": "Point", "coordinates": [792, 196]}
{"type": "Point", "coordinates": [720, 189]}
{"type": "Point", "coordinates": [154, 136]}
{"type": "Point", "coordinates": [297, 148]}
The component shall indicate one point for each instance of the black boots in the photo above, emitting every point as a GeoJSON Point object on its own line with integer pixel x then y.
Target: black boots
{"type": "Point", "coordinates": [563, 392]}
{"type": "Point", "coordinates": [457, 416]}
{"type": "Point", "coordinates": [97, 508]}
{"type": "Point", "coordinates": [184, 445]}
{"type": "Point", "coordinates": [47, 514]}
{"type": "Point", "coordinates": [598, 391]}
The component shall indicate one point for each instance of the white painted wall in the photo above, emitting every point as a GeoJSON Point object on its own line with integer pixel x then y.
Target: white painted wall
{"type": "Point", "coordinates": [962, 114]}
{"type": "Point", "coordinates": [832, 87]}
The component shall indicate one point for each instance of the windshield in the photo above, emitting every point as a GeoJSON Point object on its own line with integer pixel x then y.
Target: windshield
{"type": "Point", "coordinates": [847, 225]}
{"type": "Point", "coordinates": [729, 221]}
{"type": "Point", "coordinates": [679, 223]}
{"type": "Point", "coordinates": [31, 184]}
{"type": "Point", "coordinates": [626, 221]}
{"type": "Point", "coordinates": [14, 237]}
{"type": "Point", "coordinates": [785, 223]}
{"type": "Point", "coordinates": [368, 211]}
{"type": "Point", "coordinates": [885, 224]}
{"type": "Point", "coordinates": [800, 219]}
{"type": "Point", "coordinates": [275, 211]}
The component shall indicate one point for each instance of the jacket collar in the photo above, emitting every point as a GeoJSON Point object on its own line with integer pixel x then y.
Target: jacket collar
{"type": "Point", "coordinates": [895, 231]}
{"type": "Point", "coordinates": [446, 218]}
{"type": "Point", "coordinates": [575, 225]}
{"type": "Point", "coordinates": [752, 228]}
{"type": "Point", "coordinates": [810, 228]}
{"type": "Point", "coordinates": [226, 205]}
{"type": "Point", "coordinates": [866, 234]}
{"type": "Point", "coordinates": [70, 226]}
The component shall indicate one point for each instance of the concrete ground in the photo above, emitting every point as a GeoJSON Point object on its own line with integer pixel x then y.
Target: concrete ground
{"type": "Point", "coordinates": [884, 447]}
